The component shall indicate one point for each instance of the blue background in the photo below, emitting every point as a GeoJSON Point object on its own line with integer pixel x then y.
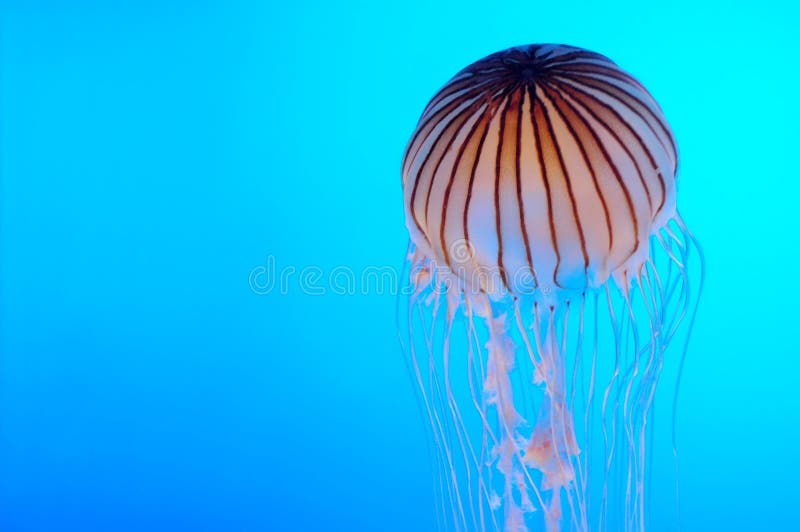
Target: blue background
{"type": "Point", "coordinates": [153, 154]}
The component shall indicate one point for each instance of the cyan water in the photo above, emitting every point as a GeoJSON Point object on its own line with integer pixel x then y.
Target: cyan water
{"type": "Point", "coordinates": [159, 159]}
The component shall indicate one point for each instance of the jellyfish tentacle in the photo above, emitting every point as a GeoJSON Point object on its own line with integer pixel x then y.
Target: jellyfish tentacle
{"type": "Point", "coordinates": [431, 397]}
{"type": "Point", "coordinates": [480, 407]}
{"type": "Point", "coordinates": [691, 243]}
{"type": "Point", "coordinates": [414, 263]}
{"type": "Point", "coordinates": [456, 418]}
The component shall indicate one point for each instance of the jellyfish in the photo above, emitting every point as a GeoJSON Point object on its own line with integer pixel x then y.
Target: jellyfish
{"type": "Point", "coordinates": [549, 279]}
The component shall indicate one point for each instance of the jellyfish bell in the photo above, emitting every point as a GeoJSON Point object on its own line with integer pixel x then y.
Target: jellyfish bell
{"type": "Point", "coordinates": [548, 159]}
{"type": "Point", "coordinates": [540, 198]}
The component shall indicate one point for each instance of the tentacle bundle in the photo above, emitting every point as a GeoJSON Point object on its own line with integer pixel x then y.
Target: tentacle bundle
{"type": "Point", "coordinates": [540, 410]}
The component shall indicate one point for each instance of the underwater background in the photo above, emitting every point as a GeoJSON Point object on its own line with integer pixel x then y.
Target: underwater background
{"type": "Point", "coordinates": [161, 162]}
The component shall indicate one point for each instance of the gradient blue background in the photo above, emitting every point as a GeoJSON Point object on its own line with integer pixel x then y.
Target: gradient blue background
{"type": "Point", "coordinates": [152, 154]}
